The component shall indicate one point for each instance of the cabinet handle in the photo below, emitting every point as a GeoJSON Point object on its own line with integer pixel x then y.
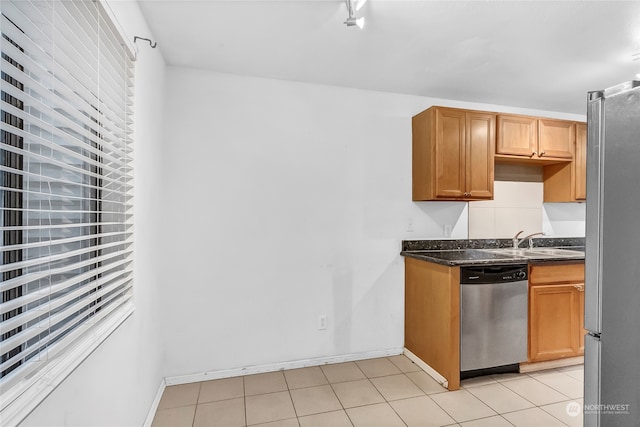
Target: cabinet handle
{"type": "Point", "coordinates": [542, 153]}
{"type": "Point", "coordinates": [533, 153]}
{"type": "Point", "coordinates": [580, 288]}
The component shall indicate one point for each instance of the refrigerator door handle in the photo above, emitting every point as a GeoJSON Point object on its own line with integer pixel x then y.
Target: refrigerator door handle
{"type": "Point", "coordinates": [593, 255]}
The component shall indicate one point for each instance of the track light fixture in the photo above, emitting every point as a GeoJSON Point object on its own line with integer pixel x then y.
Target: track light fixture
{"type": "Point", "coordinates": [352, 20]}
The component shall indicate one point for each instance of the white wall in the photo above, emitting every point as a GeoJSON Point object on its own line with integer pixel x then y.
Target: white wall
{"type": "Point", "coordinates": [288, 202]}
{"type": "Point", "coordinates": [116, 385]}
{"type": "Point", "coordinates": [285, 201]}
{"type": "Point", "coordinates": [564, 219]}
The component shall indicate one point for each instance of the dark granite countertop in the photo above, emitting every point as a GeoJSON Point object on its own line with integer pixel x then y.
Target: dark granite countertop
{"type": "Point", "coordinates": [471, 252]}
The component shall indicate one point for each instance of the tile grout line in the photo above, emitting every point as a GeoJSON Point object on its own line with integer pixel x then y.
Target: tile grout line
{"type": "Point", "coordinates": [506, 420]}
{"type": "Point", "coordinates": [540, 406]}
{"type": "Point", "coordinates": [434, 402]}
{"type": "Point", "coordinates": [386, 400]}
{"type": "Point", "coordinates": [293, 405]}
{"type": "Point", "coordinates": [195, 411]}
{"type": "Point", "coordinates": [546, 385]}
{"type": "Point", "coordinates": [559, 391]}
{"type": "Point", "coordinates": [562, 422]}
{"type": "Point", "coordinates": [244, 399]}
{"type": "Point", "coordinates": [509, 390]}
{"type": "Point", "coordinates": [492, 416]}
{"type": "Point", "coordinates": [336, 394]}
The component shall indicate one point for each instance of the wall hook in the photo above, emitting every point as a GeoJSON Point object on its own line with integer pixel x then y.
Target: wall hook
{"type": "Point", "coordinates": [151, 43]}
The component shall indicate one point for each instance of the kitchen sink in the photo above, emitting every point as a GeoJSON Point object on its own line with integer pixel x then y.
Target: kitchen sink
{"type": "Point", "coordinates": [557, 252]}
{"type": "Point", "coordinates": [508, 251]}
{"type": "Point", "coordinates": [536, 253]}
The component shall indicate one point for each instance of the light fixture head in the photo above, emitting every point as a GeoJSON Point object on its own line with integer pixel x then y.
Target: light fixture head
{"type": "Point", "coordinates": [352, 20]}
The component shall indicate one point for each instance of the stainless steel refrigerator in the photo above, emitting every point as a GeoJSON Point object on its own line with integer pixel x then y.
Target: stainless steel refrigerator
{"type": "Point", "coordinates": [612, 295]}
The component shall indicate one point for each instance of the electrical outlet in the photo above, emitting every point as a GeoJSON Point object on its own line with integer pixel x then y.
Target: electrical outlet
{"type": "Point", "coordinates": [410, 228]}
{"type": "Point", "coordinates": [322, 321]}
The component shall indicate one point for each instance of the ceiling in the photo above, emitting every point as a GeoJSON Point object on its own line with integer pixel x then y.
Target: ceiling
{"type": "Point", "coordinates": [536, 54]}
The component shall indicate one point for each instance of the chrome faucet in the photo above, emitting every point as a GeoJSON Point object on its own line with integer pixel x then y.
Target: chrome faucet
{"type": "Point", "coordinates": [516, 242]}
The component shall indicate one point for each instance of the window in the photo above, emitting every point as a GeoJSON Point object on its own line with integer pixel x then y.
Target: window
{"type": "Point", "coordinates": [65, 192]}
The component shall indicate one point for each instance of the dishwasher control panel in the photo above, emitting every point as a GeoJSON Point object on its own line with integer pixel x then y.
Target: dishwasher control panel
{"type": "Point", "coordinates": [493, 274]}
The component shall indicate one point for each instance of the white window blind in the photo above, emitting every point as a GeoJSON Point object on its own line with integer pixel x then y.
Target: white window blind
{"type": "Point", "coordinates": [65, 192]}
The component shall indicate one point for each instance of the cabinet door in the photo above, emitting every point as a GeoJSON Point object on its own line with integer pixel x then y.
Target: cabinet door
{"type": "Point", "coordinates": [480, 148]}
{"type": "Point", "coordinates": [580, 162]}
{"type": "Point", "coordinates": [450, 153]}
{"type": "Point", "coordinates": [553, 325]}
{"type": "Point", "coordinates": [517, 135]}
{"type": "Point", "coordinates": [556, 138]}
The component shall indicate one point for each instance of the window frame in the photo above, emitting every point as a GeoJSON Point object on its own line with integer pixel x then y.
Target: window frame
{"type": "Point", "coordinates": [24, 394]}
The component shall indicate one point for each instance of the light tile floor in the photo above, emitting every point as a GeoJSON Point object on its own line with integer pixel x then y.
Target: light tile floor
{"type": "Point", "coordinates": [385, 392]}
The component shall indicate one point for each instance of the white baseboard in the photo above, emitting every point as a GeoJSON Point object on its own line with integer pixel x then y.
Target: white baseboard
{"type": "Point", "coordinates": [154, 405]}
{"type": "Point", "coordinates": [428, 369]}
{"type": "Point", "coordinates": [272, 367]}
{"type": "Point", "coordinates": [258, 369]}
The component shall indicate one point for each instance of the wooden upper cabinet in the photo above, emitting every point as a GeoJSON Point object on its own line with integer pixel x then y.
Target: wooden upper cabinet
{"type": "Point", "coordinates": [453, 154]}
{"type": "Point", "coordinates": [449, 153]}
{"type": "Point", "coordinates": [454, 151]}
{"type": "Point", "coordinates": [480, 148]}
{"type": "Point", "coordinates": [580, 162]}
{"type": "Point", "coordinates": [534, 139]}
{"type": "Point", "coordinates": [517, 135]}
{"type": "Point", "coordinates": [556, 138]}
{"type": "Point", "coordinates": [568, 182]}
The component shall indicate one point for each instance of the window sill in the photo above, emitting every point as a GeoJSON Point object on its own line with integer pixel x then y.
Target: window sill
{"type": "Point", "coordinates": [21, 400]}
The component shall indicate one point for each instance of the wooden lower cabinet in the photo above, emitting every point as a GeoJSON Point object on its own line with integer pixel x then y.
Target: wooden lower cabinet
{"type": "Point", "coordinates": [556, 311]}
{"type": "Point", "coordinates": [432, 317]}
{"type": "Point", "coordinates": [432, 314]}
{"type": "Point", "coordinates": [553, 322]}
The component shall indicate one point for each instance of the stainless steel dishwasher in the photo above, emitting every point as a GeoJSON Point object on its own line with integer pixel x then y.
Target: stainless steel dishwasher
{"type": "Point", "coordinates": [493, 318]}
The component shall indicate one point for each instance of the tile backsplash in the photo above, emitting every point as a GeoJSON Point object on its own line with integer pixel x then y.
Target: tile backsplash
{"type": "Point", "coordinates": [518, 205]}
